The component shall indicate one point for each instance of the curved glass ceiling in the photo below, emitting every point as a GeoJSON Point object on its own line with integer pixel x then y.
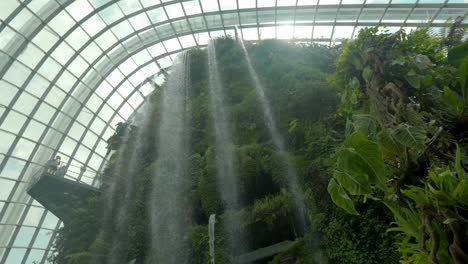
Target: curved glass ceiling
{"type": "Point", "coordinates": [71, 70]}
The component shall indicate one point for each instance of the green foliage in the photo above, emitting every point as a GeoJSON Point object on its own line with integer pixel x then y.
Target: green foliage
{"type": "Point", "coordinates": [324, 149]}
{"type": "Point", "coordinates": [395, 89]}
{"type": "Point", "coordinates": [340, 197]}
{"type": "Point", "coordinates": [268, 209]}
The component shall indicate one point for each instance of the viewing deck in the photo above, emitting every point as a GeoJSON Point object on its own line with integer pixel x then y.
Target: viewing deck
{"type": "Point", "coordinates": [60, 195]}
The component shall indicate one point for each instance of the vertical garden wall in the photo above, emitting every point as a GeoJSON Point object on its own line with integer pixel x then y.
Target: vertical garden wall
{"type": "Point", "coordinates": [376, 129]}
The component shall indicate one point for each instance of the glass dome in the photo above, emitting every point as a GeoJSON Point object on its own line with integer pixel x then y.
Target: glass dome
{"type": "Point", "coordinates": [71, 70]}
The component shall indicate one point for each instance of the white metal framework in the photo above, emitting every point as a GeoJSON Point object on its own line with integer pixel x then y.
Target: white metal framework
{"type": "Point", "coordinates": [70, 70]}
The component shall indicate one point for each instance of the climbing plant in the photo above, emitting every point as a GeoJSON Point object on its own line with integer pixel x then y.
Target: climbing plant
{"type": "Point", "coordinates": [404, 101]}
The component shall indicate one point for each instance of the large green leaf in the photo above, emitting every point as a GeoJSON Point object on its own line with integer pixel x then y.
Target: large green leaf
{"type": "Point", "coordinates": [407, 219]}
{"type": "Point", "coordinates": [413, 79]}
{"type": "Point", "coordinates": [367, 73]}
{"type": "Point", "coordinates": [409, 136]}
{"type": "Point", "coordinates": [390, 147]}
{"type": "Point", "coordinates": [340, 197]}
{"type": "Point", "coordinates": [457, 54]}
{"type": "Point", "coordinates": [365, 124]}
{"type": "Point", "coordinates": [360, 165]}
{"type": "Point", "coordinates": [452, 99]}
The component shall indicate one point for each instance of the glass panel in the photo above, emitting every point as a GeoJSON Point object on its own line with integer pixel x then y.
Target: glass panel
{"type": "Point", "coordinates": [55, 96]}
{"type": "Point", "coordinates": [142, 57]}
{"type": "Point", "coordinates": [79, 9]}
{"type": "Point", "coordinates": [68, 146]}
{"type": "Point", "coordinates": [106, 40]}
{"type": "Point", "coordinates": [78, 66]}
{"type": "Point", "coordinates": [197, 23]}
{"type": "Point", "coordinates": [62, 22]}
{"type": "Point", "coordinates": [284, 32]}
{"type": "Point", "coordinates": [172, 44]}
{"type": "Point", "coordinates": [37, 86]}
{"type": "Point", "coordinates": [129, 7]}
{"type": "Point", "coordinates": [7, 140]}
{"type": "Point", "coordinates": [13, 122]}
{"type": "Point", "coordinates": [247, 18]}
{"type": "Point", "coordinates": [126, 111]}
{"type": "Point", "coordinates": [43, 238]}
{"type": "Point", "coordinates": [17, 74]}
{"type": "Point", "coordinates": [49, 69]}
{"type": "Point", "coordinates": [25, 103]}
{"type": "Point", "coordinates": [15, 256]}
{"type": "Point", "coordinates": [122, 29]}
{"type": "Point", "coordinates": [35, 256]}
{"type": "Point", "coordinates": [244, 4]}
{"type": "Point", "coordinates": [140, 21]}
{"type": "Point", "coordinates": [13, 168]}
{"type": "Point", "coordinates": [82, 154]}
{"type": "Point", "coordinates": [291, 2]}
{"type": "Point", "coordinates": [125, 89]}
{"type": "Point", "coordinates": [63, 53]}
{"type": "Point", "coordinates": [157, 15]}
{"type": "Point", "coordinates": [93, 25]}
{"type": "Point", "coordinates": [302, 32]}
{"type": "Point", "coordinates": [110, 14]}
{"type": "Point", "coordinates": [187, 41]}
{"type": "Point", "coordinates": [326, 14]}
{"type": "Point", "coordinates": [371, 15]}
{"type": "Point", "coordinates": [395, 15]}
{"type": "Point", "coordinates": [31, 56]}
{"type": "Point", "coordinates": [193, 8]}
{"type": "Point", "coordinates": [24, 236]}
{"type": "Point", "coordinates": [44, 113]}
{"type": "Point", "coordinates": [8, 92]}
{"type": "Point", "coordinates": [5, 188]}
{"type": "Point", "coordinates": [45, 39]}
{"type": "Point", "coordinates": [106, 112]}
{"type": "Point", "coordinates": [209, 5]}
{"type": "Point", "coordinates": [174, 11]}
{"type": "Point", "coordinates": [34, 216]}
{"type": "Point", "coordinates": [23, 149]}
{"type": "Point", "coordinates": [34, 130]}
{"type": "Point", "coordinates": [90, 139]}
{"type": "Point", "coordinates": [104, 90]}
{"type": "Point", "coordinates": [77, 39]}
{"type": "Point", "coordinates": [50, 221]}
{"type": "Point", "coordinates": [342, 32]}
{"type": "Point", "coordinates": [321, 32]}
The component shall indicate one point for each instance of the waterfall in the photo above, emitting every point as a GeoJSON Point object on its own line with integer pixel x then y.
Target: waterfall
{"type": "Point", "coordinates": [128, 177]}
{"type": "Point", "coordinates": [290, 174]}
{"type": "Point", "coordinates": [227, 173]}
{"type": "Point", "coordinates": [116, 205]}
{"type": "Point", "coordinates": [211, 235]}
{"type": "Point", "coordinates": [169, 202]}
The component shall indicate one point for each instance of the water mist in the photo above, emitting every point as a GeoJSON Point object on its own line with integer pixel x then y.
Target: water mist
{"type": "Point", "coordinates": [169, 204]}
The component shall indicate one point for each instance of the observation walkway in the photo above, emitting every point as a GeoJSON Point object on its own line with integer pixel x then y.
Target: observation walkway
{"type": "Point", "coordinates": [60, 195]}
{"type": "Point", "coordinates": [263, 253]}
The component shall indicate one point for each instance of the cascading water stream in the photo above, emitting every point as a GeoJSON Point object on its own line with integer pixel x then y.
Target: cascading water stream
{"type": "Point", "coordinates": [227, 173]}
{"type": "Point", "coordinates": [291, 174]}
{"type": "Point", "coordinates": [118, 243]}
{"type": "Point", "coordinates": [211, 236]}
{"type": "Point", "coordinates": [112, 204]}
{"type": "Point", "coordinates": [169, 205]}
{"type": "Point", "coordinates": [115, 214]}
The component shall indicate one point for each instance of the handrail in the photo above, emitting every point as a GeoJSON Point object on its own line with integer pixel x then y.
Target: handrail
{"type": "Point", "coordinates": [43, 170]}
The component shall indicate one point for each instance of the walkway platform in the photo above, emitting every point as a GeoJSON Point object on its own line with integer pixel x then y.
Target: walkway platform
{"type": "Point", "coordinates": [59, 195]}
{"type": "Point", "coordinates": [263, 253]}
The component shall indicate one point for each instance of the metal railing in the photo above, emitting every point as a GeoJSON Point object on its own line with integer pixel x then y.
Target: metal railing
{"type": "Point", "coordinates": [69, 174]}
